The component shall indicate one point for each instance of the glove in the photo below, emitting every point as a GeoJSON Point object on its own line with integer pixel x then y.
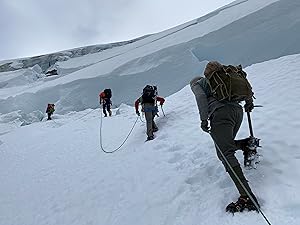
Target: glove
{"type": "Point", "coordinates": [204, 126]}
{"type": "Point", "coordinates": [138, 113]}
{"type": "Point", "coordinates": [249, 106]}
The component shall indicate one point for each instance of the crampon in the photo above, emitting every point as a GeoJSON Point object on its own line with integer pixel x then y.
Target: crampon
{"type": "Point", "coordinates": [251, 157]}
{"type": "Point", "coordinates": [243, 203]}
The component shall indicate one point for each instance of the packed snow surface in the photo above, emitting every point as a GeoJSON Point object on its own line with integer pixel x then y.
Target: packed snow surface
{"type": "Point", "coordinates": [54, 172]}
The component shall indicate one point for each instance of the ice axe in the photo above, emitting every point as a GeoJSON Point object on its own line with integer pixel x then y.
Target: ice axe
{"type": "Point", "coordinates": [250, 123]}
{"type": "Point", "coordinates": [251, 158]}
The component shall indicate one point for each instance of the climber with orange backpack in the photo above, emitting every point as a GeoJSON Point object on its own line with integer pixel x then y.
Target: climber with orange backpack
{"type": "Point", "coordinates": [105, 100]}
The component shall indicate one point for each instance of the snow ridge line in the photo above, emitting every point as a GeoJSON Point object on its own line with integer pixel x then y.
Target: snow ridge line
{"type": "Point", "coordinates": [157, 39]}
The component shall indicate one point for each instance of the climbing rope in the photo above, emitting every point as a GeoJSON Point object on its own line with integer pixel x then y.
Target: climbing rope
{"type": "Point", "coordinates": [53, 120]}
{"type": "Point", "coordinates": [122, 142]}
{"type": "Point", "coordinates": [75, 119]}
{"type": "Point", "coordinates": [85, 114]}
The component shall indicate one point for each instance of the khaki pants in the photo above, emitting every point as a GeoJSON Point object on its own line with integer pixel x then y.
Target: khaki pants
{"type": "Point", "coordinates": [150, 112]}
{"type": "Point", "coordinates": [150, 123]}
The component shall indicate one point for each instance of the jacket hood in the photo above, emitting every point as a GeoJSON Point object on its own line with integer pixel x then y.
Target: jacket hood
{"type": "Point", "coordinates": [194, 80]}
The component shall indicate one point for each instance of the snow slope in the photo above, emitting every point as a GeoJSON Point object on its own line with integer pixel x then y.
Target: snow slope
{"type": "Point", "coordinates": [257, 30]}
{"type": "Point", "coordinates": [56, 173]}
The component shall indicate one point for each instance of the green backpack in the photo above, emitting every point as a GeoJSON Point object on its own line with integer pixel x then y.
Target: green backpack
{"type": "Point", "coordinates": [230, 84]}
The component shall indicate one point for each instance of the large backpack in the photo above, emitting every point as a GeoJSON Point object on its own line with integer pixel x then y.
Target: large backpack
{"type": "Point", "coordinates": [50, 108]}
{"type": "Point", "coordinates": [107, 93]}
{"type": "Point", "coordinates": [230, 83]}
{"type": "Point", "coordinates": [149, 94]}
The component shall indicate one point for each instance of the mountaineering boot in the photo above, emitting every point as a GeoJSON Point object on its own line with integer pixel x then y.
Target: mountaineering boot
{"type": "Point", "coordinates": [241, 204]}
{"type": "Point", "coordinates": [105, 115]}
{"type": "Point", "coordinates": [241, 184]}
{"type": "Point", "coordinates": [149, 138]}
{"type": "Point", "coordinates": [110, 113]}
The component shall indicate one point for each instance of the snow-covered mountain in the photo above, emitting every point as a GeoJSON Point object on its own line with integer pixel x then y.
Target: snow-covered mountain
{"type": "Point", "coordinates": [243, 32]}
{"type": "Point", "coordinates": [48, 60]}
{"type": "Point", "coordinates": [54, 172]}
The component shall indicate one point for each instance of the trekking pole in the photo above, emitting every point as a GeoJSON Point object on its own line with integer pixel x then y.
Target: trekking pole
{"type": "Point", "coordinates": [141, 119]}
{"type": "Point", "coordinates": [162, 110]}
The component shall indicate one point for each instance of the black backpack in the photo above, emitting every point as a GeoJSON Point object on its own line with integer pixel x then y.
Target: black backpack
{"type": "Point", "coordinates": [149, 94]}
{"type": "Point", "coordinates": [107, 93]}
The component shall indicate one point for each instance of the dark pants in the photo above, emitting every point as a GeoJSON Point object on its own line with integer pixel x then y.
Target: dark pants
{"type": "Point", "coordinates": [225, 123]}
{"type": "Point", "coordinates": [49, 116]}
{"type": "Point", "coordinates": [106, 106]}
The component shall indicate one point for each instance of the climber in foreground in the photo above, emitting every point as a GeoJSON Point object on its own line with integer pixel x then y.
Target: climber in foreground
{"type": "Point", "coordinates": [105, 100]}
{"type": "Point", "coordinates": [148, 100]}
{"type": "Point", "coordinates": [221, 115]}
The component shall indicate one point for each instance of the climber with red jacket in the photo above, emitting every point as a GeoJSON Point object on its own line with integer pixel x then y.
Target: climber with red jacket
{"type": "Point", "coordinates": [148, 100]}
{"type": "Point", "coordinates": [105, 100]}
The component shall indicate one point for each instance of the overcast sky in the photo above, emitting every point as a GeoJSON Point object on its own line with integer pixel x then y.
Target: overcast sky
{"type": "Point", "coordinates": [35, 27]}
